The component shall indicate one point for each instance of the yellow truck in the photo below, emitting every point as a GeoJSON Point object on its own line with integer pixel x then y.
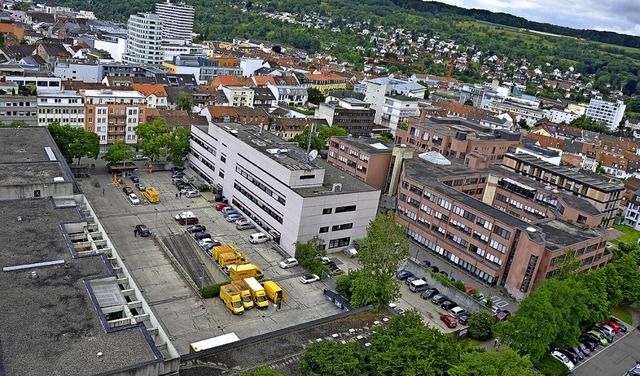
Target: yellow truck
{"type": "Point", "coordinates": [274, 292]}
{"type": "Point", "coordinates": [245, 271]}
{"type": "Point", "coordinates": [245, 293]}
{"type": "Point", "coordinates": [220, 249]}
{"type": "Point", "coordinates": [152, 194]}
{"type": "Point", "coordinates": [231, 299]}
{"type": "Point", "coordinates": [235, 257]}
{"type": "Point", "coordinates": [257, 293]}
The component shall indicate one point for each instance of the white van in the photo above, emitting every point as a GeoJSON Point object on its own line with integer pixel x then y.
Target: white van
{"type": "Point", "coordinates": [258, 237]}
{"type": "Point", "coordinates": [350, 252]}
{"type": "Point", "coordinates": [418, 285]}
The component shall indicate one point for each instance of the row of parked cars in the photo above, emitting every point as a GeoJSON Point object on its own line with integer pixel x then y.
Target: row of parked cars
{"type": "Point", "coordinates": [184, 187]}
{"type": "Point", "coordinates": [204, 239]}
{"type": "Point", "coordinates": [600, 334]}
{"type": "Point", "coordinates": [231, 215]}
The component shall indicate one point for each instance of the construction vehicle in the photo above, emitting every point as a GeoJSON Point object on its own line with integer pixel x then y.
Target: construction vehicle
{"type": "Point", "coordinates": [232, 299]}
{"type": "Point", "coordinates": [245, 271]}
{"type": "Point", "coordinates": [257, 293]}
{"type": "Point", "coordinates": [210, 343]}
{"type": "Point", "coordinates": [235, 257]}
{"type": "Point", "coordinates": [152, 195]}
{"type": "Point", "coordinates": [274, 292]}
{"type": "Point", "coordinates": [245, 293]}
{"type": "Point", "coordinates": [220, 249]}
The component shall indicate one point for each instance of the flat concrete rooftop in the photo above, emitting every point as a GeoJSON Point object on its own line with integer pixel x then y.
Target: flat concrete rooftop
{"type": "Point", "coordinates": [49, 324]}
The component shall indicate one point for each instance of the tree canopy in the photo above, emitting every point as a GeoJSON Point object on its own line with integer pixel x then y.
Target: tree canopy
{"type": "Point", "coordinates": [184, 101]}
{"type": "Point", "coordinates": [118, 152]}
{"type": "Point", "coordinates": [75, 142]}
{"type": "Point", "coordinates": [315, 96]}
{"type": "Point", "coordinates": [332, 358]}
{"type": "Point", "coordinates": [320, 137]}
{"type": "Point", "coordinates": [503, 362]}
{"type": "Point", "coordinates": [158, 139]}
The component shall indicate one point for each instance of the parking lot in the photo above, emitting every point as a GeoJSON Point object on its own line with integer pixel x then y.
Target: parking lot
{"type": "Point", "coordinates": [185, 316]}
{"type": "Point", "coordinates": [615, 359]}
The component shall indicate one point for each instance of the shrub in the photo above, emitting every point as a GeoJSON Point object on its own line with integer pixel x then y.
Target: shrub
{"type": "Point", "coordinates": [203, 188]}
{"type": "Point", "coordinates": [481, 326]}
{"type": "Point", "coordinates": [212, 291]}
{"type": "Point", "coordinates": [460, 286]}
{"type": "Point", "coordinates": [489, 302]}
{"type": "Point", "coordinates": [344, 284]}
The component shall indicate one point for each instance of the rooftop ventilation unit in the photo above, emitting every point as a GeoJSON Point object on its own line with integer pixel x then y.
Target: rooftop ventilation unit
{"type": "Point", "coordinates": [337, 187]}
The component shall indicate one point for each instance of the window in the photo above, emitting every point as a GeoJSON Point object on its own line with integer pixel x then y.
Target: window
{"type": "Point", "coordinates": [326, 211]}
{"type": "Point", "coordinates": [430, 196]}
{"type": "Point", "coordinates": [342, 242]}
{"type": "Point", "coordinates": [303, 177]}
{"type": "Point", "coordinates": [501, 232]}
{"type": "Point", "coordinates": [344, 226]}
{"type": "Point", "coordinates": [324, 229]}
{"type": "Point", "coordinates": [223, 158]}
{"type": "Point", "coordinates": [342, 209]}
{"type": "Point", "coordinates": [444, 203]}
{"type": "Point", "coordinates": [498, 246]}
{"type": "Point", "coordinates": [221, 173]}
{"type": "Point", "coordinates": [502, 198]}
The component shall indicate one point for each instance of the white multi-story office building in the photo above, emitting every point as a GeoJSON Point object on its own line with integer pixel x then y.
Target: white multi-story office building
{"type": "Point", "coordinates": [144, 39]}
{"type": "Point", "coordinates": [63, 107]}
{"type": "Point", "coordinates": [606, 112]}
{"type": "Point", "coordinates": [273, 183]}
{"type": "Point", "coordinates": [177, 21]}
{"type": "Point", "coordinates": [394, 100]}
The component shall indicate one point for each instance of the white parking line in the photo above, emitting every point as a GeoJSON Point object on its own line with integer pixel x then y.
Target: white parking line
{"type": "Point", "coordinates": [600, 351]}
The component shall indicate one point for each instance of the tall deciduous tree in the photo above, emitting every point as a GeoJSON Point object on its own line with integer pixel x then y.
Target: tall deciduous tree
{"type": "Point", "coordinates": [179, 145]}
{"type": "Point", "coordinates": [481, 325]}
{"type": "Point", "coordinates": [118, 152]}
{"type": "Point", "coordinates": [383, 249]}
{"type": "Point", "coordinates": [315, 95]}
{"type": "Point", "coordinates": [75, 142]}
{"type": "Point", "coordinates": [309, 253]}
{"type": "Point", "coordinates": [332, 358]}
{"type": "Point", "coordinates": [184, 101]}
{"type": "Point", "coordinates": [319, 138]}
{"type": "Point", "coordinates": [504, 362]}
{"type": "Point", "coordinates": [154, 138]}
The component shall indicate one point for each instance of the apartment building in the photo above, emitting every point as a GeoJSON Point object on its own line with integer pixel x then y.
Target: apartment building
{"type": "Point", "coordinates": [177, 20]}
{"type": "Point", "coordinates": [238, 95]}
{"type": "Point", "coordinates": [276, 186]}
{"type": "Point", "coordinates": [63, 107]}
{"type": "Point", "coordinates": [465, 217]}
{"type": "Point", "coordinates": [394, 100]}
{"type": "Point", "coordinates": [326, 82]}
{"type": "Point", "coordinates": [469, 142]}
{"type": "Point", "coordinates": [609, 113]}
{"type": "Point", "coordinates": [351, 114]}
{"type": "Point", "coordinates": [144, 39]}
{"type": "Point", "coordinates": [524, 109]}
{"type": "Point", "coordinates": [368, 159]}
{"type": "Point", "coordinates": [114, 114]}
{"type": "Point", "coordinates": [605, 194]}
{"type": "Point", "coordinates": [632, 212]}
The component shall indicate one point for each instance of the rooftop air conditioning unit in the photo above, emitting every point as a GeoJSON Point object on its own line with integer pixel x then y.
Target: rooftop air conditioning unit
{"type": "Point", "coordinates": [337, 187]}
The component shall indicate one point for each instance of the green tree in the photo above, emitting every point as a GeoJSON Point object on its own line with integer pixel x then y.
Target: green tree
{"type": "Point", "coordinates": [504, 362]}
{"type": "Point", "coordinates": [184, 101]}
{"type": "Point", "coordinates": [309, 254]}
{"type": "Point", "coordinates": [407, 347]}
{"type": "Point", "coordinates": [319, 138]}
{"type": "Point", "coordinates": [481, 325]}
{"type": "Point", "coordinates": [118, 152]}
{"type": "Point", "coordinates": [344, 283]}
{"type": "Point", "coordinates": [468, 102]}
{"type": "Point", "coordinates": [623, 279]}
{"type": "Point", "coordinates": [261, 371]}
{"type": "Point", "coordinates": [179, 145]}
{"type": "Point", "coordinates": [386, 136]}
{"type": "Point", "coordinates": [315, 96]}
{"type": "Point", "coordinates": [383, 249]}
{"type": "Point", "coordinates": [427, 93]}
{"type": "Point", "coordinates": [154, 138]}
{"type": "Point", "coordinates": [75, 142]}
{"type": "Point", "coordinates": [20, 5]}
{"type": "Point", "coordinates": [332, 358]}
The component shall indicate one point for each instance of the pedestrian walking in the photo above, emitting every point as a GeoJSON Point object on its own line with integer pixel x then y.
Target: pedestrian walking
{"type": "Point", "coordinates": [102, 192]}
{"type": "Point", "coordinates": [176, 196]}
{"type": "Point", "coordinates": [135, 232]}
{"type": "Point", "coordinates": [180, 193]}
{"type": "Point", "coordinates": [496, 343]}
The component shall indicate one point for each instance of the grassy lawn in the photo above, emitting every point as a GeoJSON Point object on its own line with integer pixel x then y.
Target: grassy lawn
{"type": "Point", "coordinates": [623, 314]}
{"type": "Point", "coordinates": [549, 366]}
{"type": "Point", "coordinates": [631, 235]}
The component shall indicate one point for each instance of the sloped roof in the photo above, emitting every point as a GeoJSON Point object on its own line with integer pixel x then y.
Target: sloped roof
{"type": "Point", "coordinates": [150, 89]}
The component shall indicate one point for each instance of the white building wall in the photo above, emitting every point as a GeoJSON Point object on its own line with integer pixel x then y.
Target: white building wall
{"type": "Point", "coordinates": [115, 49]}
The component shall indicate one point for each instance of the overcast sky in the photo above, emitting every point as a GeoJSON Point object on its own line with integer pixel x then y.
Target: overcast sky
{"type": "Point", "coordinates": [621, 16]}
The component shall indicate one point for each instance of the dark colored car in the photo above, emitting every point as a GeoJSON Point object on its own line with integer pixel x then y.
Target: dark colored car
{"type": "Point", "coordinates": [590, 338]}
{"type": "Point", "coordinates": [605, 332]}
{"type": "Point", "coordinates": [404, 274]}
{"type": "Point", "coordinates": [503, 314]}
{"type": "Point", "coordinates": [463, 319]}
{"type": "Point", "coordinates": [622, 326]}
{"type": "Point", "coordinates": [569, 354]}
{"type": "Point", "coordinates": [438, 299]}
{"type": "Point", "coordinates": [448, 304]}
{"type": "Point", "coordinates": [585, 349]}
{"type": "Point", "coordinates": [449, 320]}
{"type": "Point", "coordinates": [202, 235]}
{"type": "Point", "coordinates": [196, 228]}
{"type": "Point", "coordinates": [175, 169]}
{"type": "Point", "coordinates": [143, 230]}
{"type": "Point", "coordinates": [589, 342]}
{"type": "Point", "coordinates": [430, 293]}
{"type": "Point", "coordinates": [426, 262]}
{"type": "Point", "coordinates": [434, 269]}
{"type": "Point", "coordinates": [135, 179]}
{"type": "Point", "coordinates": [127, 191]}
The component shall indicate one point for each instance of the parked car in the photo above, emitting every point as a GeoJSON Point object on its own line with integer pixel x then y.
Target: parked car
{"type": "Point", "coordinates": [334, 268]}
{"type": "Point", "coordinates": [201, 235]}
{"type": "Point", "coordinates": [143, 230]}
{"type": "Point", "coordinates": [599, 336]}
{"type": "Point", "coordinates": [134, 198]}
{"type": "Point", "coordinates": [408, 280]}
{"type": "Point", "coordinates": [635, 371]}
{"type": "Point", "coordinates": [135, 179]}
{"type": "Point", "coordinates": [574, 358]}
{"type": "Point", "coordinates": [621, 324]}
{"type": "Point", "coordinates": [430, 293]}
{"type": "Point", "coordinates": [187, 188]}
{"type": "Point", "coordinates": [584, 349]}
{"type": "Point", "coordinates": [208, 243]}
{"type": "Point", "coordinates": [175, 169]}
{"type": "Point", "coordinates": [404, 274]}
{"type": "Point", "coordinates": [591, 342]}
{"type": "Point", "coordinates": [258, 237]}
{"type": "Point", "coordinates": [288, 263]}
{"type": "Point", "coordinates": [192, 193]}
{"type": "Point", "coordinates": [220, 205]}
{"type": "Point", "coordinates": [244, 224]}
{"type": "Point", "coordinates": [457, 312]}
{"type": "Point", "coordinates": [127, 191]}
{"type": "Point", "coordinates": [233, 217]}
{"type": "Point", "coordinates": [434, 269]}
{"type": "Point", "coordinates": [606, 331]}
{"type": "Point", "coordinates": [449, 321]}
{"type": "Point", "coordinates": [576, 351]}
{"type": "Point", "coordinates": [562, 359]}
{"type": "Point", "coordinates": [309, 278]}
{"type": "Point", "coordinates": [196, 228]}
{"type": "Point", "coordinates": [616, 328]}
{"type": "Point", "coordinates": [448, 304]}
{"type": "Point", "coordinates": [438, 299]}
{"type": "Point", "coordinates": [503, 314]}
{"type": "Point", "coordinates": [426, 262]}
{"type": "Point", "coordinates": [141, 187]}
{"type": "Point", "coordinates": [324, 259]}
{"type": "Point", "coordinates": [227, 213]}
{"type": "Point", "coordinates": [464, 319]}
